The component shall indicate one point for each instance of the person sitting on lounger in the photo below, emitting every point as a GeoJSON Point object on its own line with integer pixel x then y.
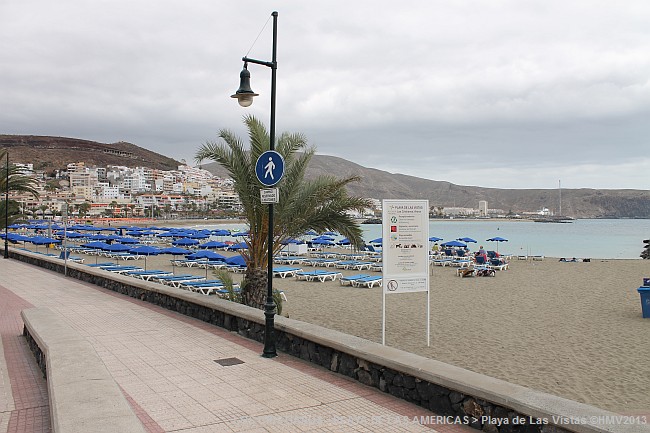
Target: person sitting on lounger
{"type": "Point", "coordinates": [481, 253]}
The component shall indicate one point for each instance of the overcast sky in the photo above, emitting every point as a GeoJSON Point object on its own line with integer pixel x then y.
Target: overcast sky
{"type": "Point", "coordinates": [495, 93]}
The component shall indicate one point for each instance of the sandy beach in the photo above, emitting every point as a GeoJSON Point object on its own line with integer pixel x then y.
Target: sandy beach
{"type": "Point", "coordinates": [569, 329]}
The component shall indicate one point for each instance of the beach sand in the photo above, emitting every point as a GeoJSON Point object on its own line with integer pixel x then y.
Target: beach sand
{"type": "Point", "coordinates": [569, 329]}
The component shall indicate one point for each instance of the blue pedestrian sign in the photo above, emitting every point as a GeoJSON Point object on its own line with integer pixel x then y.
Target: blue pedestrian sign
{"type": "Point", "coordinates": [269, 168]}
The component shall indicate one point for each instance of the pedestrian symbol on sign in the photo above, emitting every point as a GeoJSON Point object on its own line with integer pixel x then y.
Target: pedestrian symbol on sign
{"type": "Point", "coordinates": [269, 168]}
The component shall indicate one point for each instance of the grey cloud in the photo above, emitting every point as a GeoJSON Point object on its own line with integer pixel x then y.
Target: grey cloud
{"type": "Point", "coordinates": [519, 90]}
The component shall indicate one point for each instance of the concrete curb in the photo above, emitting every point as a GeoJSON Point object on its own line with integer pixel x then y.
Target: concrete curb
{"type": "Point", "coordinates": [83, 395]}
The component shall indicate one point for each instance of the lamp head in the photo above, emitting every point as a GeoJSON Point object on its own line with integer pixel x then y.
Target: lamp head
{"type": "Point", "coordinates": [244, 94]}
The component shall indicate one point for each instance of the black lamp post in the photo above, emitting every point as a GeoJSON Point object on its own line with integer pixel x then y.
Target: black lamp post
{"type": "Point", "coordinates": [7, 210]}
{"type": "Point", "coordinates": [245, 96]}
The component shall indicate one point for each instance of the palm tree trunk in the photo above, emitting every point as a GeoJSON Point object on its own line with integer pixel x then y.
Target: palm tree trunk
{"type": "Point", "coordinates": [255, 287]}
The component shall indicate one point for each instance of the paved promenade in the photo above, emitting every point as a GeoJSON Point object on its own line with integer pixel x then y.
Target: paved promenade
{"type": "Point", "coordinates": [180, 374]}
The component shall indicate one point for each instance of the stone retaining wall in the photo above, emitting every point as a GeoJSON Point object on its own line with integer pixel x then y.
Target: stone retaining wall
{"type": "Point", "coordinates": [485, 403]}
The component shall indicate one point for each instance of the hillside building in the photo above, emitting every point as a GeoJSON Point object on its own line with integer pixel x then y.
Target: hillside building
{"type": "Point", "coordinates": [483, 208]}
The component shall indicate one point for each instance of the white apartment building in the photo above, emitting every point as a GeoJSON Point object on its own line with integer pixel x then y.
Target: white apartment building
{"type": "Point", "coordinates": [134, 182]}
{"type": "Point", "coordinates": [483, 208]}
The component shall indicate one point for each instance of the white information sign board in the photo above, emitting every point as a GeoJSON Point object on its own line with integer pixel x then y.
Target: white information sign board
{"type": "Point", "coordinates": [269, 195]}
{"type": "Point", "coordinates": [405, 249]}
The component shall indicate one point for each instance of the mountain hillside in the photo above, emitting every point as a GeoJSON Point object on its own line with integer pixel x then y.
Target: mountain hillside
{"type": "Point", "coordinates": [576, 203]}
{"type": "Point", "coordinates": [50, 153]}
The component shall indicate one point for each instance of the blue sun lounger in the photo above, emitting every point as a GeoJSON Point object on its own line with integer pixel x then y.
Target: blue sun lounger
{"type": "Point", "coordinates": [148, 275]}
{"type": "Point", "coordinates": [121, 269]}
{"type": "Point", "coordinates": [177, 280]}
{"type": "Point", "coordinates": [347, 281]}
{"type": "Point", "coordinates": [100, 265]}
{"type": "Point", "coordinates": [368, 282]}
{"type": "Point", "coordinates": [317, 275]}
{"type": "Point", "coordinates": [285, 272]}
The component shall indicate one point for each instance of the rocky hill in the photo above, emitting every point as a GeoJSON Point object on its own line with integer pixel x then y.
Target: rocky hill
{"type": "Point", "coordinates": [50, 153]}
{"type": "Point", "coordinates": [576, 203]}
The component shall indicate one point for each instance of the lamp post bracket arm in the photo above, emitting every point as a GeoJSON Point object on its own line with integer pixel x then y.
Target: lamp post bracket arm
{"type": "Point", "coordinates": [259, 62]}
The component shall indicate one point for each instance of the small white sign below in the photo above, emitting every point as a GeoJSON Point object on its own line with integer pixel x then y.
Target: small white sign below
{"type": "Point", "coordinates": [270, 195]}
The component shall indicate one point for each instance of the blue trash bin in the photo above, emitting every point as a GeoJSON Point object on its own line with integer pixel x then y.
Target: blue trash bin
{"type": "Point", "coordinates": [645, 301]}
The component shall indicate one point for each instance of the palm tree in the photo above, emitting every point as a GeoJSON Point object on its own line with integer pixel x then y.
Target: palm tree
{"type": "Point", "coordinates": [83, 208]}
{"type": "Point", "coordinates": [18, 182]}
{"type": "Point", "coordinates": [321, 204]}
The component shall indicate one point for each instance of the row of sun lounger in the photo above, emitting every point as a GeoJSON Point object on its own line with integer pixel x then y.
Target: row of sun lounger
{"type": "Point", "coordinates": [209, 264]}
{"type": "Point", "coordinates": [331, 262]}
{"type": "Point", "coordinates": [318, 275]}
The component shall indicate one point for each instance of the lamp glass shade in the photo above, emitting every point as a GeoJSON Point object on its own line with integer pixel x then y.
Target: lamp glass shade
{"type": "Point", "coordinates": [244, 99]}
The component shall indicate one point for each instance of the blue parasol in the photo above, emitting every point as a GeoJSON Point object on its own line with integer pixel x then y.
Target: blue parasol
{"type": "Point", "coordinates": [498, 240]}
{"type": "Point", "coordinates": [454, 244]}
{"type": "Point", "coordinates": [145, 251]}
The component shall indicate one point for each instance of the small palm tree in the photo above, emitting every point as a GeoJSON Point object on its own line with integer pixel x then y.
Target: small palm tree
{"type": "Point", "coordinates": [18, 182]}
{"type": "Point", "coordinates": [322, 204]}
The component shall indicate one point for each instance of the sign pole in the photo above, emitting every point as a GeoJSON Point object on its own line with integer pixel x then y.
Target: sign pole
{"type": "Point", "coordinates": [383, 316]}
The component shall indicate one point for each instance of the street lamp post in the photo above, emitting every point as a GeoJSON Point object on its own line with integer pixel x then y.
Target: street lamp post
{"type": "Point", "coordinates": [245, 96]}
{"type": "Point", "coordinates": [7, 210]}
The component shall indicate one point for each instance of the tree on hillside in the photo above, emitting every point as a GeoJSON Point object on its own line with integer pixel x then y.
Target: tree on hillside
{"type": "Point", "coordinates": [18, 182]}
{"type": "Point", "coordinates": [84, 208]}
{"type": "Point", "coordinates": [321, 204]}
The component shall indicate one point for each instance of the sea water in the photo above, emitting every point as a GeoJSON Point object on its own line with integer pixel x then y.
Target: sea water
{"type": "Point", "coordinates": [584, 238]}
